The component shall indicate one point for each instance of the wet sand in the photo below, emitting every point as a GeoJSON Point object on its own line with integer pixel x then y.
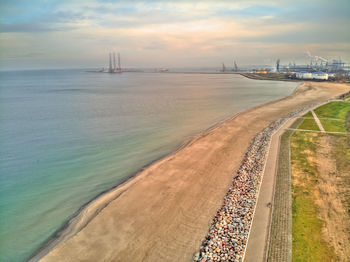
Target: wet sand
{"type": "Point", "coordinates": [164, 213]}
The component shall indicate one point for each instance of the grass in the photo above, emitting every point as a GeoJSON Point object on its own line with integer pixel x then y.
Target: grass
{"type": "Point", "coordinates": [307, 243]}
{"type": "Point", "coordinates": [269, 76]}
{"type": "Point", "coordinates": [333, 125]}
{"type": "Point", "coordinates": [339, 111]}
{"type": "Point", "coordinates": [296, 123]}
{"type": "Point", "coordinates": [274, 76]}
{"type": "Point", "coordinates": [308, 114]}
{"type": "Point", "coordinates": [309, 124]}
{"type": "Point", "coordinates": [342, 157]}
{"type": "Point", "coordinates": [333, 110]}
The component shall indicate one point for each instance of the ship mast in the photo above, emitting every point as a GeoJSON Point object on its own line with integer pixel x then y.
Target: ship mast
{"type": "Point", "coordinates": [114, 67]}
{"type": "Point", "coordinates": [110, 63]}
{"type": "Point", "coordinates": [119, 68]}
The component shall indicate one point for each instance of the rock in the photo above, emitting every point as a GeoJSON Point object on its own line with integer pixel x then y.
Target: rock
{"type": "Point", "coordinates": [196, 256]}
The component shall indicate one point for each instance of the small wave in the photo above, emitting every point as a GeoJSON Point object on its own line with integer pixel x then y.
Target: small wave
{"type": "Point", "coordinates": [67, 90]}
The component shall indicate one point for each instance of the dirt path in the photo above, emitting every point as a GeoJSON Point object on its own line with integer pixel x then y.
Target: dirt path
{"type": "Point", "coordinates": [164, 213]}
{"type": "Point", "coordinates": [316, 131]}
{"type": "Point", "coordinates": [318, 122]}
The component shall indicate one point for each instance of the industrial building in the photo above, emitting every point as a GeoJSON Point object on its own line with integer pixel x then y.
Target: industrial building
{"type": "Point", "coordinates": [303, 75]}
{"type": "Point", "coordinates": [311, 76]}
{"type": "Point", "coordinates": [319, 76]}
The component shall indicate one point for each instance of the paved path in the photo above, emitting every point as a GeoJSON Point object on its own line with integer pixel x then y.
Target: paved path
{"type": "Point", "coordinates": [318, 122]}
{"type": "Point", "coordinates": [325, 118]}
{"type": "Point", "coordinates": [258, 238]}
{"type": "Point", "coordinates": [316, 131]}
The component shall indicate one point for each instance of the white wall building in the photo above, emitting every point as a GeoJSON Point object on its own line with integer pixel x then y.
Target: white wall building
{"type": "Point", "coordinates": [320, 76]}
{"type": "Point", "coordinates": [303, 75]}
{"type": "Point", "coordinates": [315, 75]}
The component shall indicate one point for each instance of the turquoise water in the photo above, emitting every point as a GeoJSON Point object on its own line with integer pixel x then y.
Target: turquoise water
{"type": "Point", "coordinates": [67, 136]}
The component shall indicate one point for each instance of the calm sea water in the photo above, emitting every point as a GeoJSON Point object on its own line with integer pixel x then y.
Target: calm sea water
{"type": "Point", "coordinates": [66, 136]}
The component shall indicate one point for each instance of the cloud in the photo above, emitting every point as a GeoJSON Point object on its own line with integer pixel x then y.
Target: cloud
{"type": "Point", "coordinates": [32, 27]}
{"type": "Point", "coordinates": [169, 33]}
{"type": "Point", "coordinates": [55, 21]}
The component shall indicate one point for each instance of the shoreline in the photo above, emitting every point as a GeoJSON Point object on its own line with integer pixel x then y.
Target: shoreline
{"type": "Point", "coordinates": [69, 229]}
{"type": "Point", "coordinates": [93, 208]}
{"type": "Point", "coordinates": [259, 77]}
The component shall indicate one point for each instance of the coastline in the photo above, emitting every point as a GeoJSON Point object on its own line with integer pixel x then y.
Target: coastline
{"type": "Point", "coordinates": [93, 207]}
{"type": "Point", "coordinates": [83, 220]}
{"type": "Point", "coordinates": [262, 77]}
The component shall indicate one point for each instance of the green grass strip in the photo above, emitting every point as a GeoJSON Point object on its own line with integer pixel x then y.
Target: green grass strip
{"type": "Point", "coordinates": [335, 109]}
{"type": "Point", "coordinates": [308, 114]}
{"type": "Point", "coordinates": [347, 125]}
{"type": "Point", "coordinates": [308, 243]}
{"type": "Point", "coordinates": [309, 124]}
{"type": "Point", "coordinates": [296, 123]}
{"type": "Point", "coordinates": [334, 125]}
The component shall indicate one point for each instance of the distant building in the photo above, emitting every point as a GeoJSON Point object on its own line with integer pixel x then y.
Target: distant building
{"type": "Point", "coordinates": [320, 76]}
{"type": "Point", "coordinates": [262, 71]}
{"type": "Point", "coordinates": [314, 75]}
{"type": "Point", "coordinates": [303, 75]}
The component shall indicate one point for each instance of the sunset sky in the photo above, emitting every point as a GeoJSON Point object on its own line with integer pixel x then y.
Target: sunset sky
{"type": "Point", "coordinates": [79, 34]}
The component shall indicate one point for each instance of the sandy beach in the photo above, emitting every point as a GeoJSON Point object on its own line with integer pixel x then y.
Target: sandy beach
{"type": "Point", "coordinates": [164, 212]}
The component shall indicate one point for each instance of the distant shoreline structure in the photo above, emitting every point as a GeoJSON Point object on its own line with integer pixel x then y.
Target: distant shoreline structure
{"type": "Point", "coordinates": [337, 71]}
{"type": "Point", "coordinates": [113, 68]}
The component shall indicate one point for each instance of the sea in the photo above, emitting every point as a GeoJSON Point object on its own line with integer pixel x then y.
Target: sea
{"type": "Point", "coordinates": [66, 136]}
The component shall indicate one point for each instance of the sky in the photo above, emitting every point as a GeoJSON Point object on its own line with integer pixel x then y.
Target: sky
{"type": "Point", "coordinates": [39, 34]}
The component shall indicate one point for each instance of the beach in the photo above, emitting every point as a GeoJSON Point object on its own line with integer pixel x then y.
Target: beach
{"type": "Point", "coordinates": [97, 138]}
{"type": "Point", "coordinates": [165, 211]}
